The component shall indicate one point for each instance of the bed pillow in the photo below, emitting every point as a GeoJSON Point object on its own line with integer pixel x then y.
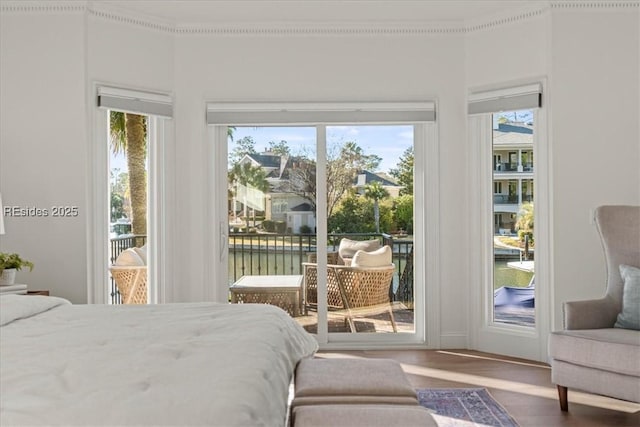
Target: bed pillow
{"type": "Point", "coordinates": [348, 247]}
{"type": "Point", "coordinates": [129, 257]}
{"type": "Point", "coordinates": [629, 317]}
{"type": "Point", "coordinates": [377, 258]}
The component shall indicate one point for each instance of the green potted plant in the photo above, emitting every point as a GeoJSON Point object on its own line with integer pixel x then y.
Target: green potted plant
{"type": "Point", "coordinates": [9, 265]}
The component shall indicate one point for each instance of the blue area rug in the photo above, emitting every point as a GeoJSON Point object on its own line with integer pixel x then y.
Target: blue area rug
{"type": "Point", "coordinates": [464, 407]}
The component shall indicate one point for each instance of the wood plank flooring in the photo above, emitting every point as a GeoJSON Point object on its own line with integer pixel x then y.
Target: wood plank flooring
{"type": "Point", "coordinates": [522, 387]}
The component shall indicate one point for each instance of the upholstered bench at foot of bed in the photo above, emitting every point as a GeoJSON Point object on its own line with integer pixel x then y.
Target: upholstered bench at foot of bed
{"type": "Point", "coordinates": [361, 416]}
{"type": "Point", "coordinates": [353, 381]}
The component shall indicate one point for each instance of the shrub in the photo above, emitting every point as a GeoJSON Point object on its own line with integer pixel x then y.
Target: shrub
{"type": "Point", "coordinates": [305, 229]}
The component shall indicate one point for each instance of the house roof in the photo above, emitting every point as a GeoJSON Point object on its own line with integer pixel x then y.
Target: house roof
{"type": "Point", "coordinates": [370, 177]}
{"type": "Point", "coordinates": [513, 133]}
{"type": "Point", "coordinates": [266, 160]}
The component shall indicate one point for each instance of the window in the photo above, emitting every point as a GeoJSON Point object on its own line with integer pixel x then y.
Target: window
{"type": "Point", "coordinates": [512, 311]}
{"type": "Point", "coordinates": [129, 190]}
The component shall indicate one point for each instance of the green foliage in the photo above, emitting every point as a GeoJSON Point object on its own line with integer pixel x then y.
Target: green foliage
{"type": "Point", "coordinates": [250, 176]}
{"type": "Point", "coordinates": [523, 233]}
{"type": "Point", "coordinates": [8, 261]}
{"type": "Point", "coordinates": [269, 225]}
{"type": "Point", "coordinates": [281, 227]}
{"type": "Point", "coordinates": [117, 206]}
{"type": "Point", "coordinates": [355, 215]}
{"type": "Point", "coordinates": [403, 213]}
{"type": "Point", "coordinates": [243, 147]}
{"type": "Point", "coordinates": [525, 219]}
{"type": "Point", "coordinates": [281, 148]}
{"type": "Point", "coordinates": [305, 229]}
{"type": "Point", "coordinates": [404, 172]}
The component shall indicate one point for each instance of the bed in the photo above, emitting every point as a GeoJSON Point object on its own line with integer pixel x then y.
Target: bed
{"type": "Point", "coordinates": [170, 364]}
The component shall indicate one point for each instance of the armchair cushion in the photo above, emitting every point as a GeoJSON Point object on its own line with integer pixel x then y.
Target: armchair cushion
{"type": "Point", "coordinates": [612, 350]}
{"type": "Point", "coordinates": [629, 317]}
{"type": "Point", "coordinates": [129, 257]}
{"type": "Point", "coordinates": [348, 247]}
{"type": "Point", "coordinates": [378, 258]}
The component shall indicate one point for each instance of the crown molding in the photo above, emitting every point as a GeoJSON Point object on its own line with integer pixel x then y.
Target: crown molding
{"type": "Point", "coordinates": [26, 6]}
{"type": "Point", "coordinates": [595, 4]}
{"type": "Point", "coordinates": [410, 28]}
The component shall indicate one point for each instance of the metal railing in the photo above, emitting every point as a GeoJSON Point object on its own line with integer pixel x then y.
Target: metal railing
{"type": "Point", "coordinates": [271, 254]}
{"type": "Point", "coordinates": [118, 245]}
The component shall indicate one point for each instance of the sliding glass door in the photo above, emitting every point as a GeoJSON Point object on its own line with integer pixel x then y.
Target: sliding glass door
{"type": "Point", "coordinates": [320, 222]}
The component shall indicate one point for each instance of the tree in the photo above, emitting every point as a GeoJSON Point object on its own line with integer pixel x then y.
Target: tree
{"type": "Point", "coordinates": [128, 134]}
{"type": "Point", "coordinates": [343, 165]}
{"type": "Point", "coordinates": [403, 212]}
{"type": "Point", "coordinates": [404, 172]}
{"type": "Point", "coordinates": [302, 179]}
{"type": "Point", "coordinates": [243, 147]}
{"type": "Point", "coordinates": [524, 221]}
{"type": "Point", "coordinates": [343, 168]}
{"type": "Point", "coordinates": [281, 148]}
{"type": "Point", "coordinates": [376, 192]}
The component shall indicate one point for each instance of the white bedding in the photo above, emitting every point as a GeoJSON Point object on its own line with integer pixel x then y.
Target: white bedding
{"type": "Point", "coordinates": [173, 364]}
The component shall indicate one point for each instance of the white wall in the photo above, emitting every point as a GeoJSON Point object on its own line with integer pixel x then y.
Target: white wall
{"type": "Point", "coordinates": [43, 154]}
{"type": "Point", "coordinates": [595, 79]}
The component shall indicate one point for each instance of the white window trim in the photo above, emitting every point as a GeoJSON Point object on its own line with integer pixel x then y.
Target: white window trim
{"type": "Point", "coordinates": [527, 342]}
{"type": "Point", "coordinates": [426, 152]}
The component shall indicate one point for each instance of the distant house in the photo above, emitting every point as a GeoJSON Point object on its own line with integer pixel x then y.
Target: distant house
{"type": "Point", "coordinates": [281, 204]}
{"type": "Point", "coordinates": [365, 178]}
{"type": "Point", "coordinates": [512, 172]}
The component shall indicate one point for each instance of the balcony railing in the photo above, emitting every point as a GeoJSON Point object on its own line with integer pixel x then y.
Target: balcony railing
{"type": "Point", "coordinates": [118, 245]}
{"type": "Point", "coordinates": [270, 254]}
{"type": "Point", "coordinates": [505, 199]}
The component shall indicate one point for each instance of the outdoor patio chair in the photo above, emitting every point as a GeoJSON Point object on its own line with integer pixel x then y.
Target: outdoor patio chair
{"type": "Point", "coordinates": [130, 275]}
{"type": "Point", "coordinates": [131, 282]}
{"type": "Point", "coordinates": [353, 290]}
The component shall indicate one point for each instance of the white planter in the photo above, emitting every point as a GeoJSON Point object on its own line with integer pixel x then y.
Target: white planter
{"type": "Point", "coordinates": [8, 276]}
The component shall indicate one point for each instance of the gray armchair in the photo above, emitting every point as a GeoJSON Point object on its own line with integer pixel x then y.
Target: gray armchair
{"type": "Point", "coordinates": [591, 354]}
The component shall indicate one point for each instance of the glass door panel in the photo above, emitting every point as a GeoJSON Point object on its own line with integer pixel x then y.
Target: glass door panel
{"type": "Point", "coordinates": [128, 206]}
{"type": "Point", "coordinates": [513, 245]}
{"type": "Point", "coordinates": [369, 187]}
{"type": "Point", "coordinates": [272, 217]}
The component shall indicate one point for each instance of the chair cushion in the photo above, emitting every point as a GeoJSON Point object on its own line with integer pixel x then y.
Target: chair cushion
{"type": "Point", "coordinates": [348, 247]}
{"type": "Point", "coordinates": [378, 258]}
{"type": "Point", "coordinates": [362, 416]}
{"type": "Point", "coordinates": [346, 377]}
{"type": "Point", "coordinates": [142, 253]}
{"type": "Point", "coordinates": [608, 349]}
{"type": "Point", "coordinates": [629, 317]}
{"type": "Point", "coordinates": [129, 257]}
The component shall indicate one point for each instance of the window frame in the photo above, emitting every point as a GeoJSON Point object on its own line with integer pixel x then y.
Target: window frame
{"type": "Point", "coordinates": [485, 334]}
{"type": "Point", "coordinates": [426, 223]}
{"type": "Point", "coordinates": [158, 107]}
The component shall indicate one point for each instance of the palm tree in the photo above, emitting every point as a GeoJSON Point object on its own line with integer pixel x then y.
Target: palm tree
{"type": "Point", "coordinates": [524, 222]}
{"type": "Point", "coordinates": [128, 134]}
{"type": "Point", "coordinates": [376, 192]}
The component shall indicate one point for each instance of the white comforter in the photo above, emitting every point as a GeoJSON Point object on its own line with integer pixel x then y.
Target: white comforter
{"type": "Point", "coordinates": [174, 364]}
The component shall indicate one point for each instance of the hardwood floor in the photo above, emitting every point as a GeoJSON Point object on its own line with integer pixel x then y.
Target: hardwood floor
{"type": "Point", "coordinates": [522, 387]}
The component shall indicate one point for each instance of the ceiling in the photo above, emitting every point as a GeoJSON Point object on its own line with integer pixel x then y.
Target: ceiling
{"type": "Point", "coordinates": [189, 12]}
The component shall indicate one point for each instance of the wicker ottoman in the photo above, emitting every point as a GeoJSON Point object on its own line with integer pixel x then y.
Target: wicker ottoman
{"type": "Point", "coordinates": [361, 416]}
{"type": "Point", "coordinates": [353, 381]}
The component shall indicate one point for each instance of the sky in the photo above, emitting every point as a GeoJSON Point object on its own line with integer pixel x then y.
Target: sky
{"type": "Point", "coordinates": [388, 142]}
